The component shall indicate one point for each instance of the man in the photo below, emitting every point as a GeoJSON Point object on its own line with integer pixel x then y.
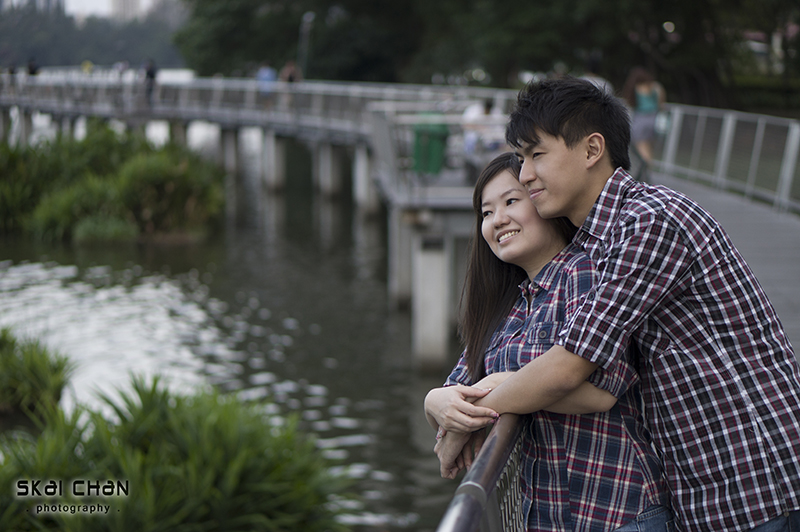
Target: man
{"type": "Point", "coordinates": [720, 381]}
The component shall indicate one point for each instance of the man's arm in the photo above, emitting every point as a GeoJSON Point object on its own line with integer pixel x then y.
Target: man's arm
{"type": "Point", "coordinates": [539, 384]}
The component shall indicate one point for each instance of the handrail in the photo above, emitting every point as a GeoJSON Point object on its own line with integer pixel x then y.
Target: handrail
{"type": "Point", "coordinates": [474, 495]}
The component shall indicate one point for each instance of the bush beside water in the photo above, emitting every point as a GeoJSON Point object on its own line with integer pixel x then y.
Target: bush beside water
{"type": "Point", "coordinates": [31, 376]}
{"type": "Point", "coordinates": [202, 462]}
{"type": "Point", "coordinates": [107, 187]}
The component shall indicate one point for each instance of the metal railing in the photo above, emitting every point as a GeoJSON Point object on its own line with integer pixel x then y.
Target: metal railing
{"type": "Point", "coordinates": [755, 155]}
{"type": "Point", "coordinates": [751, 154]}
{"type": "Point", "coordinates": [490, 496]}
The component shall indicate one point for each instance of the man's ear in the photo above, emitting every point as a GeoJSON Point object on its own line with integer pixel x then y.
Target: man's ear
{"type": "Point", "coordinates": [595, 149]}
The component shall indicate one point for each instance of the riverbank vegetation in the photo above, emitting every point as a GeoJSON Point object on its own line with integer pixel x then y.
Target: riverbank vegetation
{"type": "Point", "coordinates": [32, 377]}
{"type": "Point", "coordinates": [107, 187]}
{"type": "Point", "coordinates": [164, 461]}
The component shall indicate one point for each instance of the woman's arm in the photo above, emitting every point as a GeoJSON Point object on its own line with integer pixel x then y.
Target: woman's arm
{"type": "Point", "coordinates": [586, 399]}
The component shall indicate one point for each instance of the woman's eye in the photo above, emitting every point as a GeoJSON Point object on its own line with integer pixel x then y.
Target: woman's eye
{"type": "Point", "coordinates": [486, 213]}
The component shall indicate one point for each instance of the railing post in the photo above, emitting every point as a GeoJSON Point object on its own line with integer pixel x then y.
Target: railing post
{"type": "Point", "coordinates": [788, 165]}
{"type": "Point", "coordinates": [755, 157]}
{"type": "Point", "coordinates": [724, 150]}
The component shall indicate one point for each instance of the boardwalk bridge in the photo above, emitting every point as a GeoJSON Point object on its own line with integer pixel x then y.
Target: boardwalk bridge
{"type": "Point", "coordinates": [406, 147]}
{"type": "Point", "coordinates": [406, 144]}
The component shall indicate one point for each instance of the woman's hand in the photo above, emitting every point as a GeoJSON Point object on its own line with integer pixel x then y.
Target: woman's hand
{"type": "Point", "coordinates": [451, 408]}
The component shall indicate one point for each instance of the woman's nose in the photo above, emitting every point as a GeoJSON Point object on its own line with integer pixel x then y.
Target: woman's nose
{"type": "Point", "coordinates": [500, 218]}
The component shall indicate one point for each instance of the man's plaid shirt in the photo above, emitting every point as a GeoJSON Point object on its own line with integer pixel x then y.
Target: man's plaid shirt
{"type": "Point", "coordinates": [720, 380]}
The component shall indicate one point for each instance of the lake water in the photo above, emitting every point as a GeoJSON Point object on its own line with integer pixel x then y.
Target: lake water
{"type": "Point", "coordinates": [288, 305]}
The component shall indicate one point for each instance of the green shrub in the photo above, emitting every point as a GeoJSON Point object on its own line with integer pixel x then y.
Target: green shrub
{"type": "Point", "coordinates": [31, 376]}
{"type": "Point", "coordinates": [202, 462]}
{"type": "Point", "coordinates": [58, 212]}
{"type": "Point", "coordinates": [171, 190]}
{"type": "Point", "coordinates": [104, 228]}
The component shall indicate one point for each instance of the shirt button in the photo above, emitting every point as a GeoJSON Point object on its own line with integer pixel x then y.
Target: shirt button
{"type": "Point", "coordinates": [543, 334]}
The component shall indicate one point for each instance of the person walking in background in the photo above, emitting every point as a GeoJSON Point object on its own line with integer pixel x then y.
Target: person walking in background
{"type": "Point", "coordinates": [645, 97]}
{"type": "Point", "coordinates": [586, 463]}
{"type": "Point", "coordinates": [149, 81]}
{"type": "Point", "coordinates": [266, 76]}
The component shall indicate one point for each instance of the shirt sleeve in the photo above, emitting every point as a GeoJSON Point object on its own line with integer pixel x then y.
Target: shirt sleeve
{"type": "Point", "coordinates": [460, 373]}
{"type": "Point", "coordinates": [618, 377]}
{"type": "Point", "coordinates": [644, 264]}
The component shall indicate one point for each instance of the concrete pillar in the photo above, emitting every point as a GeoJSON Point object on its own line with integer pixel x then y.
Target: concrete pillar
{"type": "Point", "coordinates": [178, 132]}
{"type": "Point", "coordinates": [230, 150]}
{"type": "Point", "coordinates": [5, 124]}
{"type": "Point", "coordinates": [365, 193]}
{"type": "Point", "coordinates": [273, 160]}
{"type": "Point", "coordinates": [430, 302]}
{"type": "Point", "coordinates": [67, 127]}
{"type": "Point", "coordinates": [25, 127]}
{"type": "Point", "coordinates": [399, 257]}
{"type": "Point", "coordinates": [327, 169]}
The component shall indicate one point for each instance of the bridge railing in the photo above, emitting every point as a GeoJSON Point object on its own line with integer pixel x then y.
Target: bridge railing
{"type": "Point", "coordinates": [752, 154]}
{"type": "Point", "coordinates": [490, 495]}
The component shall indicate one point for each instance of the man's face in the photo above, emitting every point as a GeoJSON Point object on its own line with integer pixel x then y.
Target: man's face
{"type": "Point", "coordinates": [556, 178]}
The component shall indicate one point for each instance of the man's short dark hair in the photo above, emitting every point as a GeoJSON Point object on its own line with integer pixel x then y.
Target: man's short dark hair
{"type": "Point", "coordinates": [571, 109]}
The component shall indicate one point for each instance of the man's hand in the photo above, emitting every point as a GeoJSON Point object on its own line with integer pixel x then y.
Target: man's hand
{"type": "Point", "coordinates": [449, 450]}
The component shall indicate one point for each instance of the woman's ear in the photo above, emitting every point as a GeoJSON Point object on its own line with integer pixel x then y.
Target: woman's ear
{"type": "Point", "coordinates": [595, 149]}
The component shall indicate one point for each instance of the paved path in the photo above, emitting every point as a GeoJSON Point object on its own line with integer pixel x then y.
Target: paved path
{"type": "Point", "coordinates": [768, 240]}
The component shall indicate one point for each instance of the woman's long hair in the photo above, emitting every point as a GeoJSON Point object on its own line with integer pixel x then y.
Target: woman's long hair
{"type": "Point", "coordinates": [491, 286]}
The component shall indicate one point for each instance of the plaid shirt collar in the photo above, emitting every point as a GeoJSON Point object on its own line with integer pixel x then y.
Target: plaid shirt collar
{"type": "Point", "coordinates": [607, 207]}
{"type": "Point", "coordinates": [547, 276]}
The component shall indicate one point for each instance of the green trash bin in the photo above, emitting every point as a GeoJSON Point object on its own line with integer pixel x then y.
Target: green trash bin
{"type": "Point", "coordinates": [430, 145]}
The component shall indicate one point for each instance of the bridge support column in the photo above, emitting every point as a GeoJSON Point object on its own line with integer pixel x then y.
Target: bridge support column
{"type": "Point", "coordinates": [399, 259]}
{"type": "Point", "coordinates": [230, 150]}
{"type": "Point", "coordinates": [25, 128]}
{"type": "Point", "coordinates": [67, 127]}
{"type": "Point", "coordinates": [430, 301]}
{"type": "Point", "coordinates": [273, 160]}
{"type": "Point", "coordinates": [327, 169]}
{"type": "Point", "coordinates": [178, 132]}
{"type": "Point", "coordinates": [5, 124]}
{"type": "Point", "coordinates": [365, 194]}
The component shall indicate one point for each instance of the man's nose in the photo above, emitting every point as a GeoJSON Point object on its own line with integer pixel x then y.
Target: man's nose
{"type": "Point", "coordinates": [526, 174]}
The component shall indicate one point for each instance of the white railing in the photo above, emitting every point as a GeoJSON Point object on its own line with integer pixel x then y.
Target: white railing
{"type": "Point", "coordinates": [752, 154]}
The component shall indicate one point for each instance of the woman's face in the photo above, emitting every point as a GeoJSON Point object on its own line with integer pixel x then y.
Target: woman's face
{"type": "Point", "coordinates": [513, 229]}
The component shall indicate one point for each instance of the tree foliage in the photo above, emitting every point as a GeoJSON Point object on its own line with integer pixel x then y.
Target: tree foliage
{"type": "Point", "coordinates": [692, 45]}
{"type": "Point", "coordinates": [57, 39]}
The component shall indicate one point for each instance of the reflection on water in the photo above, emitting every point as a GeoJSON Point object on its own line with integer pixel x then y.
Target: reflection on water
{"type": "Point", "coordinates": [290, 308]}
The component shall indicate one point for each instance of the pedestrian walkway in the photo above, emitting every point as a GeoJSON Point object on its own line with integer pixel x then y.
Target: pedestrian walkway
{"type": "Point", "coordinates": [769, 240]}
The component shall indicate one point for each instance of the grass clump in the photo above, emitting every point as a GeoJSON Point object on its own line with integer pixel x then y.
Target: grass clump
{"type": "Point", "coordinates": [202, 462]}
{"type": "Point", "coordinates": [31, 376]}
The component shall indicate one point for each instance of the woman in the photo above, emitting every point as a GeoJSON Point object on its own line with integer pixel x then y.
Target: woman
{"type": "Point", "coordinates": [524, 279]}
{"type": "Point", "coordinates": [645, 97]}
